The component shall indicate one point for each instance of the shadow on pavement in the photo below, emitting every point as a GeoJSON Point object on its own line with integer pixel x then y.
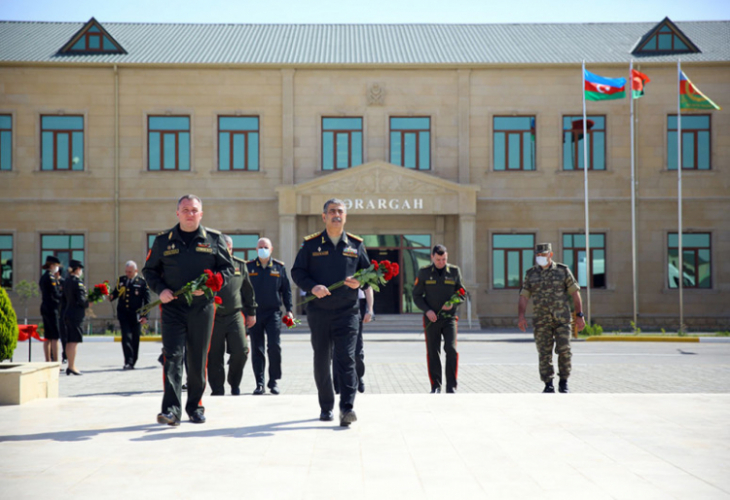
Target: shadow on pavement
{"type": "Point", "coordinates": [119, 393]}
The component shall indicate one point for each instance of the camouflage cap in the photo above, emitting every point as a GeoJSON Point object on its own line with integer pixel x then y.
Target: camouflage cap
{"type": "Point", "coordinates": [543, 247]}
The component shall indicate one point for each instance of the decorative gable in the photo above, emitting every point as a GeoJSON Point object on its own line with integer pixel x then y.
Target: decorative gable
{"type": "Point", "coordinates": [92, 38]}
{"type": "Point", "coordinates": [665, 38]}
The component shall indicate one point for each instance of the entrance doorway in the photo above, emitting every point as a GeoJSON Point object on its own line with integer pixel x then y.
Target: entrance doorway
{"type": "Point", "coordinates": [411, 252]}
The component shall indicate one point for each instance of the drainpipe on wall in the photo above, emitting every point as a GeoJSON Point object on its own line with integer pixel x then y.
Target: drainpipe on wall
{"type": "Point", "coordinates": [116, 170]}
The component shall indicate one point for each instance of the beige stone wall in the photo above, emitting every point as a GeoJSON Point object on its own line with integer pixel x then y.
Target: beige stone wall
{"type": "Point", "coordinates": [547, 201]}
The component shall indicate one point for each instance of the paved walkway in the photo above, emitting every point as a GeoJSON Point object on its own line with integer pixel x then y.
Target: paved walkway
{"type": "Point", "coordinates": [642, 422]}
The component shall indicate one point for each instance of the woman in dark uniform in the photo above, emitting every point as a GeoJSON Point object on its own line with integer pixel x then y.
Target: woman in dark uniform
{"type": "Point", "coordinates": [76, 305]}
{"type": "Point", "coordinates": [51, 298]}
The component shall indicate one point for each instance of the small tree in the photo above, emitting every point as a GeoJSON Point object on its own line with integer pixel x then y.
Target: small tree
{"type": "Point", "coordinates": [8, 327]}
{"type": "Point", "coordinates": [26, 290]}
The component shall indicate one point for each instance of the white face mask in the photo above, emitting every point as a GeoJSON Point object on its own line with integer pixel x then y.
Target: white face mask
{"type": "Point", "coordinates": [264, 253]}
{"type": "Point", "coordinates": [541, 261]}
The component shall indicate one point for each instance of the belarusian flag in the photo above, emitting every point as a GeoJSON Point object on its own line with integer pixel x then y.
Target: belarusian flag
{"type": "Point", "coordinates": [690, 96]}
{"type": "Point", "coordinates": [600, 88]}
{"type": "Point", "coordinates": [638, 82]}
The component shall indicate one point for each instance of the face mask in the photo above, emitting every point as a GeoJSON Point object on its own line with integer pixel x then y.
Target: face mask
{"type": "Point", "coordinates": [264, 253]}
{"type": "Point", "coordinates": [541, 261]}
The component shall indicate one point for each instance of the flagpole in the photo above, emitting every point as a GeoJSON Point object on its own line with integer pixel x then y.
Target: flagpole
{"type": "Point", "coordinates": [633, 198]}
{"type": "Point", "coordinates": [585, 183]}
{"type": "Point", "coordinates": [679, 195]}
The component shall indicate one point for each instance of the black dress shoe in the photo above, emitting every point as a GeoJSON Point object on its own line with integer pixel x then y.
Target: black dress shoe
{"type": "Point", "coordinates": [168, 418]}
{"type": "Point", "coordinates": [451, 390]}
{"type": "Point", "coordinates": [185, 387]}
{"type": "Point", "coordinates": [127, 366]}
{"type": "Point", "coordinates": [274, 387]}
{"type": "Point", "coordinates": [197, 418]}
{"type": "Point", "coordinates": [563, 386]}
{"type": "Point", "coordinates": [436, 390]}
{"type": "Point", "coordinates": [217, 392]}
{"type": "Point", "coordinates": [361, 386]}
{"type": "Point", "coordinates": [326, 416]}
{"type": "Point", "coordinates": [549, 388]}
{"type": "Point", "coordinates": [259, 390]}
{"type": "Point", "coordinates": [347, 417]}
{"type": "Point", "coordinates": [236, 391]}
{"type": "Point", "coordinates": [69, 371]}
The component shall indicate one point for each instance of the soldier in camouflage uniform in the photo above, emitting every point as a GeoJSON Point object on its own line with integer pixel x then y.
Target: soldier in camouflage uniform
{"type": "Point", "coordinates": [551, 284]}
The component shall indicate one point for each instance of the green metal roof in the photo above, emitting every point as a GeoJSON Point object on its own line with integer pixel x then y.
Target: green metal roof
{"type": "Point", "coordinates": [358, 44]}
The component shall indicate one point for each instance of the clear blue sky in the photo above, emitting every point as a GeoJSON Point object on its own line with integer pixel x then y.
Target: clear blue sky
{"type": "Point", "coordinates": [368, 11]}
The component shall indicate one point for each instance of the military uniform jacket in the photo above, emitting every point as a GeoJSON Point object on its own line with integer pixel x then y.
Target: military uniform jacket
{"type": "Point", "coordinates": [172, 264]}
{"type": "Point", "coordinates": [432, 289]}
{"type": "Point", "coordinates": [132, 294]}
{"type": "Point", "coordinates": [51, 291]}
{"type": "Point", "coordinates": [75, 294]}
{"type": "Point", "coordinates": [551, 289]}
{"type": "Point", "coordinates": [319, 262]}
{"type": "Point", "coordinates": [271, 284]}
{"type": "Point", "coordinates": [238, 294]}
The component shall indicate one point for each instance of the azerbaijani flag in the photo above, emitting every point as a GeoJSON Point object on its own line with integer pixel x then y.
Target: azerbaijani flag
{"type": "Point", "coordinates": [638, 82]}
{"type": "Point", "coordinates": [600, 88]}
{"type": "Point", "coordinates": [690, 96]}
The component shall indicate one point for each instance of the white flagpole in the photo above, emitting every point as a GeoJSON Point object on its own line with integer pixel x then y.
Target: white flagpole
{"type": "Point", "coordinates": [633, 198]}
{"type": "Point", "coordinates": [679, 194]}
{"type": "Point", "coordinates": [585, 182]}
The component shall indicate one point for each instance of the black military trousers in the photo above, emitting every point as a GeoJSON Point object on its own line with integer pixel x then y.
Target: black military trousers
{"type": "Point", "coordinates": [186, 327]}
{"type": "Point", "coordinates": [268, 322]}
{"type": "Point", "coordinates": [359, 350]}
{"type": "Point", "coordinates": [445, 327]}
{"type": "Point", "coordinates": [229, 333]}
{"type": "Point", "coordinates": [334, 333]}
{"type": "Point", "coordinates": [131, 330]}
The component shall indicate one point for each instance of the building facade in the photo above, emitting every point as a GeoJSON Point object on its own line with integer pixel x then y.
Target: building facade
{"type": "Point", "coordinates": [469, 136]}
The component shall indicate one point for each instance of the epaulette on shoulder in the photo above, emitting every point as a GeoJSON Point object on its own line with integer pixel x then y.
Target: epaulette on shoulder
{"type": "Point", "coordinates": [162, 232]}
{"type": "Point", "coordinates": [211, 230]}
{"type": "Point", "coordinates": [354, 237]}
{"type": "Point", "coordinates": [239, 259]}
{"type": "Point", "coordinates": [312, 236]}
{"type": "Point", "coordinates": [278, 261]}
{"type": "Point", "coordinates": [562, 266]}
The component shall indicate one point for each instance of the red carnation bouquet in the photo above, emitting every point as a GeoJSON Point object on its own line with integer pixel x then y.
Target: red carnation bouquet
{"type": "Point", "coordinates": [377, 275]}
{"type": "Point", "coordinates": [290, 322]}
{"type": "Point", "coordinates": [455, 299]}
{"type": "Point", "coordinates": [209, 282]}
{"type": "Point", "coordinates": [98, 293]}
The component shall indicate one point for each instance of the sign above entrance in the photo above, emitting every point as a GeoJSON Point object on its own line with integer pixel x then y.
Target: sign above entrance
{"type": "Point", "coordinates": [355, 204]}
{"type": "Point", "coordinates": [379, 188]}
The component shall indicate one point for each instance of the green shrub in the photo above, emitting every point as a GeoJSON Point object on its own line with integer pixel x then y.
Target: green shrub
{"type": "Point", "coordinates": [593, 330]}
{"type": "Point", "coordinates": [723, 334]}
{"type": "Point", "coordinates": [8, 327]}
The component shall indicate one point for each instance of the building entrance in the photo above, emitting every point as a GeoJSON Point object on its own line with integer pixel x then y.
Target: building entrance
{"type": "Point", "coordinates": [410, 251]}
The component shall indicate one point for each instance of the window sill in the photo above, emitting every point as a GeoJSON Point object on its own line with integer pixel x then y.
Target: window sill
{"type": "Point", "coordinates": [686, 171]}
{"type": "Point", "coordinates": [240, 172]}
{"type": "Point", "coordinates": [62, 172]}
{"type": "Point", "coordinates": [694, 291]}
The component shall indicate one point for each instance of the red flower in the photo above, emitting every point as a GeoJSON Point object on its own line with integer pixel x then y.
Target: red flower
{"type": "Point", "coordinates": [287, 321]}
{"type": "Point", "coordinates": [214, 281]}
{"type": "Point", "coordinates": [218, 300]}
{"type": "Point", "coordinates": [374, 263]}
{"type": "Point", "coordinates": [461, 292]}
{"type": "Point", "coordinates": [395, 269]}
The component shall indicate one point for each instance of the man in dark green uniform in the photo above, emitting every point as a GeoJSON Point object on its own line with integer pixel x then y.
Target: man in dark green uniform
{"type": "Point", "coordinates": [435, 284]}
{"type": "Point", "coordinates": [133, 293]}
{"type": "Point", "coordinates": [324, 259]}
{"type": "Point", "coordinates": [50, 286]}
{"type": "Point", "coordinates": [236, 313]}
{"type": "Point", "coordinates": [177, 257]}
{"type": "Point", "coordinates": [273, 290]}
{"type": "Point", "coordinates": [552, 285]}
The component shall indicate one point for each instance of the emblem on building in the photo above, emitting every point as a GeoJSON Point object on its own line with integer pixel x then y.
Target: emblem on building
{"type": "Point", "coordinates": [376, 95]}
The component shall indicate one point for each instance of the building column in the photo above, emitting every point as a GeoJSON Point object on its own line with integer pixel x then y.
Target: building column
{"type": "Point", "coordinates": [287, 126]}
{"type": "Point", "coordinates": [464, 76]}
{"type": "Point", "coordinates": [288, 239]}
{"type": "Point", "coordinates": [467, 253]}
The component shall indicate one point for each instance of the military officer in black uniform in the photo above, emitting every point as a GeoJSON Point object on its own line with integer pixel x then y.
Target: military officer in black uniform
{"type": "Point", "coordinates": [237, 312]}
{"type": "Point", "coordinates": [272, 288]}
{"type": "Point", "coordinates": [324, 259]}
{"type": "Point", "coordinates": [177, 257]}
{"type": "Point", "coordinates": [51, 293]}
{"type": "Point", "coordinates": [76, 304]}
{"type": "Point", "coordinates": [435, 284]}
{"type": "Point", "coordinates": [133, 294]}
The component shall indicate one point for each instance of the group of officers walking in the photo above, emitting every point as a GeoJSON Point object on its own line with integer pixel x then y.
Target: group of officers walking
{"type": "Point", "coordinates": [197, 335]}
